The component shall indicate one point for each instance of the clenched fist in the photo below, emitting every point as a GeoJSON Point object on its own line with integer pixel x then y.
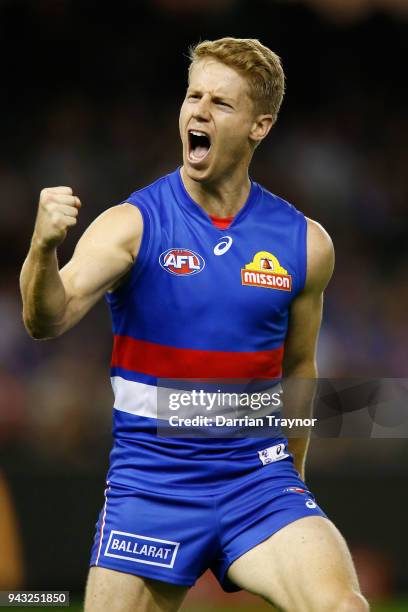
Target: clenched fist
{"type": "Point", "coordinates": [57, 211]}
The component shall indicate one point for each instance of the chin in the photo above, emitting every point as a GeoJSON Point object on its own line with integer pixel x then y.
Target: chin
{"type": "Point", "coordinates": [200, 175]}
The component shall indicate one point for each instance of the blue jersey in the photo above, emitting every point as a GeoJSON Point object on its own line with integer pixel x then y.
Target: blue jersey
{"type": "Point", "coordinates": [199, 302]}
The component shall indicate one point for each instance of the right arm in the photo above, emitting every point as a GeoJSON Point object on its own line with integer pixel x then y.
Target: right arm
{"type": "Point", "coordinates": [55, 300]}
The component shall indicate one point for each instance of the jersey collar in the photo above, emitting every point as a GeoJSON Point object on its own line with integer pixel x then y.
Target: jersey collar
{"type": "Point", "coordinates": [187, 202]}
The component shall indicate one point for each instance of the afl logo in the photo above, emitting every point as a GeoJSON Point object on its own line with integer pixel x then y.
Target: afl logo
{"type": "Point", "coordinates": [181, 262]}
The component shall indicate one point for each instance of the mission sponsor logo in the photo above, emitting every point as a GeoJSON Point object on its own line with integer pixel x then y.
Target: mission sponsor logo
{"type": "Point", "coordinates": [266, 271]}
{"type": "Point", "coordinates": [181, 262]}
{"type": "Point", "coordinates": [141, 549]}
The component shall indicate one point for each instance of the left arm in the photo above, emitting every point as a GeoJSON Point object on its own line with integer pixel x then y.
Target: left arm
{"type": "Point", "coordinates": [301, 341]}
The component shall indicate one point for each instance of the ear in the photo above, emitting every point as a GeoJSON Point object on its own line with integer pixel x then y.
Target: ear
{"type": "Point", "coordinates": [260, 128]}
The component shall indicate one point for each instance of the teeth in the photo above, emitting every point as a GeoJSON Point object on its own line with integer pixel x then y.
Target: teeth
{"type": "Point", "coordinates": [197, 133]}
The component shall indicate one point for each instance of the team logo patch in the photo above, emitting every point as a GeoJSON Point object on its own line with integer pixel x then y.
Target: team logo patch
{"type": "Point", "coordinates": [141, 549]}
{"type": "Point", "coordinates": [181, 262]}
{"type": "Point", "coordinates": [266, 271]}
{"type": "Point", "coordinates": [272, 454]}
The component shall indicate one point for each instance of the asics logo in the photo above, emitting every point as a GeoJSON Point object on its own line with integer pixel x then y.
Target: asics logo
{"type": "Point", "coordinates": [223, 246]}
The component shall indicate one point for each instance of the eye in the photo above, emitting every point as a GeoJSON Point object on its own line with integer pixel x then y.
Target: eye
{"type": "Point", "coordinates": [224, 104]}
{"type": "Point", "coordinates": [193, 97]}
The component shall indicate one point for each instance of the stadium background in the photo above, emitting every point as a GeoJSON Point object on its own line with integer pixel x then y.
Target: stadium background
{"type": "Point", "coordinates": [90, 98]}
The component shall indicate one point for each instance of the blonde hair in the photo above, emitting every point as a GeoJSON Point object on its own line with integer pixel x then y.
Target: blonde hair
{"type": "Point", "coordinates": [258, 64]}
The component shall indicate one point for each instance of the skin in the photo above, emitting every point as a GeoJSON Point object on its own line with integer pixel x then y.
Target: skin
{"type": "Point", "coordinates": [136, 593]}
{"type": "Point", "coordinates": [217, 102]}
{"type": "Point", "coordinates": [299, 365]}
{"type": "Point", "coordinates": [11, 563]}
{"type": "Point", "coordinates": [304, 567]}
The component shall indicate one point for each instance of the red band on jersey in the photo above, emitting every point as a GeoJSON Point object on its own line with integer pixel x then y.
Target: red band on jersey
{"type": "Point", "coordinates": [169, 362]}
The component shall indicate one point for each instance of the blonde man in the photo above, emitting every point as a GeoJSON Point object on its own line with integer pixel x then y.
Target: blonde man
{"type": "Point", "coordinates": [208, 275]}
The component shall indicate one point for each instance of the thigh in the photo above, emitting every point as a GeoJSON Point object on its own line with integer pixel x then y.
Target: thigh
{"type": "Point", "coordinates": [166, 538]}
{"type": "Point", "coordinates": [119, 592]}
{"type": "Point", "coordinates": [252, 511]}
{"type": "Point", "coordinates": [301, 567]}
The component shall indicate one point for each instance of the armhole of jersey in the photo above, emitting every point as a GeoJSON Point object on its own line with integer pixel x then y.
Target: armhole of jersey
{"type": "Point", "coordinates": [142, 257]}
{"type": "Point", "coordinates": [302, 254]}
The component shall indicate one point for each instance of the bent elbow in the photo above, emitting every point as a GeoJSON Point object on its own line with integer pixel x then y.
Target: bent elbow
{"type": "Point", "coordinates": [38, 332]}
{"type": "Point", "coordinates": [39, 335]}
{"type": "Point", "coordinates": [35, 333]}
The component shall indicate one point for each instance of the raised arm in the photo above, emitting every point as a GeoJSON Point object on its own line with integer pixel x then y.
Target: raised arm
{"type": "Point", "coordinates": [54, 300]}
{"type": "Point", "coordinates": [301, 342]}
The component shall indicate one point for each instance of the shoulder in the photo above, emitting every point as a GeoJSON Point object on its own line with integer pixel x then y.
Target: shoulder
{"type": "Point", "coordinates": [119, 226]}
{"type": "Point", "coordinates": [279, 202]}
{"type": "Point", "coordinates": [124, 218]}
{"type": "Point", "coordinates": [320, 256]}
{"type": "Point", "coordinates": [124, 223]}
{"type": "Point", "coordinates": [320, 250]}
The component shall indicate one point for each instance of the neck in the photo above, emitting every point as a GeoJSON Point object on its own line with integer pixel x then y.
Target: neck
{"type": "Point", "coordinates": [221, 198]}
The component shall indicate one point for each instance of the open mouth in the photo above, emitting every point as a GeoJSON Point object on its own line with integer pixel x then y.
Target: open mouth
{"type": "Point", "coordinates": [199, 144]}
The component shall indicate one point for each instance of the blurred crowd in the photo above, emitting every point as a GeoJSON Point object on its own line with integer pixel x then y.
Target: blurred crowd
{"type": "Point", "coordinates": [93, 104]}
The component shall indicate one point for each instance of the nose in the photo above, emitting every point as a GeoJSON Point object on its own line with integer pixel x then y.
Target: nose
{"type": "Point", "coordinates": [201, 108]}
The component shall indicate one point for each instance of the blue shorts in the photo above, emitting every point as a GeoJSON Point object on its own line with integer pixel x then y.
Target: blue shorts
{"type": "Point", "coordinates": [176, 538]}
